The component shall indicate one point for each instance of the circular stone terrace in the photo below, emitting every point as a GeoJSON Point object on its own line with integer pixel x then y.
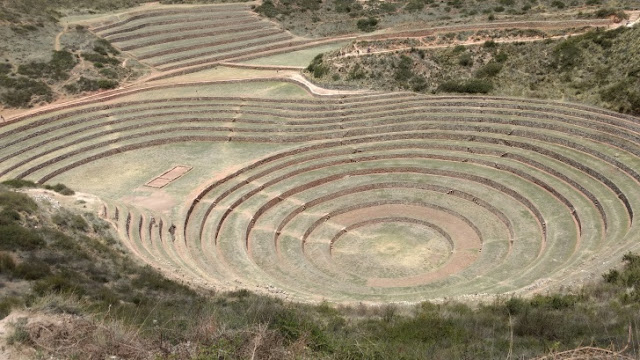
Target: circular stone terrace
{"type": "Point", "coordinates": [362, 197]}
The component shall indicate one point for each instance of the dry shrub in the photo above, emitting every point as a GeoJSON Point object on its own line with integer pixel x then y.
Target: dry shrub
{"type": "Point", "coordinates": [75, 337]}
{"type": "Point", "coordinates": [256, 343]}
{"type": "Point", "coordinates": [586, 353]}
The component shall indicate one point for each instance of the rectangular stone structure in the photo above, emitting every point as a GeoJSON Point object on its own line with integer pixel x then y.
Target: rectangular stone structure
{"type": "Point", "coordinates": [168, 176]}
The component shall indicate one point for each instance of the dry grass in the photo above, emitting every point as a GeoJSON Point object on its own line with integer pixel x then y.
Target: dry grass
{"type": "Point", "coordinates": [587, 353]}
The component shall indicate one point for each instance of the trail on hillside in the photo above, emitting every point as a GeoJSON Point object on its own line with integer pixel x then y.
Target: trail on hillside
{"type": "Point", "coordinates": [56, 44]}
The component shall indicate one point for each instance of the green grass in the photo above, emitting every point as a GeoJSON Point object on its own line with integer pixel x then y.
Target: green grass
{"type": "Point", "coordinates": [165, 41]}
{"type": "Point", "coordinates": [223, 51]}
{"type": "Point", "coordinates": [207, 160]}
{"type": "Point", "coordinates": [295, 58]}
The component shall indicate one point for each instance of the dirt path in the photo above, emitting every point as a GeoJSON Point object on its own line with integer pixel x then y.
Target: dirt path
{"type": "Point", "coordinates": [261, 67]}
{"type": "Point", "coordinates": [545, 25]}
{"type": "Point", "coordinates": [56, 44]}
{"type": "Point", "coordinates": [322, 91]}
{"type": "Point", "coordinates": [540, 24]}
{"type": "Point", "coordinates": [291, 76]}
{"type": "Point", "coordinates": [634, 18]}
{"type": "Point", "coordinates": [359, 53]}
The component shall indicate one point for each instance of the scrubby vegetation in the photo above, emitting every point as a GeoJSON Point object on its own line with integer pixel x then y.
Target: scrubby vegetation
{"type": "Point", "coordinates": [73, 266]}
{"type": "Point", "coordinates": [323, 18]}
{"type": "Point", "coordinates": [20, 91]}
{"type": "Point", "coordinates": [27, 12]}
{"type": "Point", "coordinates": [317, 67]}
{"type": "Point", "coordinates": [21, 183]}
{"type": "Point", "coordinates": [35, 71]}
{"type": "Point", "coordinates": [598, 67]}
{"type": "Point", "coordinates": [28, 83]}
{"type": "Point", "coordinates": [368, 24]}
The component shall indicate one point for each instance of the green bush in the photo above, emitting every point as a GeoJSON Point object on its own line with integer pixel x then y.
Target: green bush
{"type": "Point", "coordinates": [22, 91]}
{"type": "Point", "coordinates": [516, 306]}
{"type": "Point", "coordinates": [549, 326]}
{"type": "Point", "coordinates": [58, 283]}
{"type": "Point", "coordinates": [7, 303]}
{"type": "Point", "coordinates": [425, 328]}
{"type": "Point", "coordinates": [459, 49]}
{"type": "Point", "coordinates": [268, 9]}
{"type": "Point", "coordinates": [292, 326]}
{"type": "Point", "coordinates": [490, 44]}
{"type": "Point", "coordinates": [404, 70]}
{"type": "Point", "coordinates": [100, 59]}
{"type": "Point", "coordinates": [71, 221]}
{"type": "Point", "coordinates": [356, 73]}
{"type": "Point", "coordinates": [368, 24]}
{"type": "Point", "coordinates": [7, 264]}
{"type": "Point", "coordinates": [9, 216]}
{"type": "Point", "coordinates": [61, 241]}
{"type": "Point", "coordinates": [32, 269]}
{"type": "Point", "coordinates": [56, 69]}
{"type": "Point", "coordinates": [554, 301]}
{"type": "Point", "coordinates": [465, 60]}
{"type": "Point", "coordinates": [109, 73]}
{"type": "Point", "coordinates": [607, 12]}
{"type": "Point", "coordinates": [17, 202]}
{"type": "Point", "coordinates": [83, 84]}
{"type": "Point", "coordinates": [629, 277]}
{"type": "Point", "coordinates": [418, 83]}
{"type": "Point", "coordinates": [567, 54]}
{"type": "Point", "coordinates": [317, 67]}
{"type": "Point", "coordinates": [5, 69]}
{"type": "Point", "coordinates": [149, 279]}
{"type": "Point", "coordinates": [501, 57]}
{"type": "Point", "coordinates": [20, 183]}
{"type": "Point", "coordinates": [15, 237]}
{"type": "Point", "coordinates": [414, 5]}
{"type": "Point", "coordinates": [60, 189]}
{"type": "Point", "coordinates": [491, 69]}
{"type": "Point", "coordinates": [104, 47]}
{"type": "Point", "coordinates": [346, 6]}
{"type": "Point", "coordinates": [473, 86]}
{"type": "Point", "coordinates": [388, 8]}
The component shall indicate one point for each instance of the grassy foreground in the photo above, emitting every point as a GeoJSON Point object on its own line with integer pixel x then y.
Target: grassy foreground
{"type": "Point", "coordinates": [57, 262]}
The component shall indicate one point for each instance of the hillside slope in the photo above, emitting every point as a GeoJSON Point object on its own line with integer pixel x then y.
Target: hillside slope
{"type": "Point", "coordinates": [599, 68]}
